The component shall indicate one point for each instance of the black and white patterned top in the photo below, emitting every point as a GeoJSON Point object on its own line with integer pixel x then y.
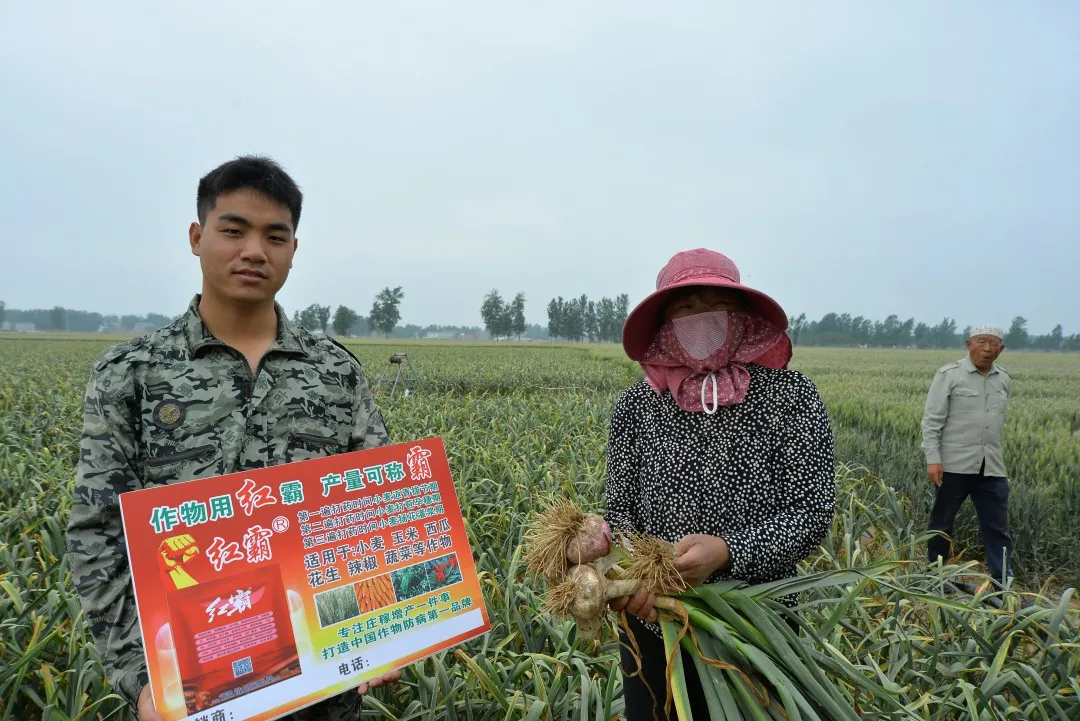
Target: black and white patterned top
{"type": "Point", "coordinates": [759, 474]}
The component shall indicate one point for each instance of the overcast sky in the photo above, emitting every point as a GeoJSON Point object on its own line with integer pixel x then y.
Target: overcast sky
{"type": "Point", "coordinates": [919, 158]}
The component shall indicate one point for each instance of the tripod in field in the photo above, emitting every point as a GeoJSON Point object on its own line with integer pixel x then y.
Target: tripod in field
{"type": "Point", "coordinates": [403, 373]}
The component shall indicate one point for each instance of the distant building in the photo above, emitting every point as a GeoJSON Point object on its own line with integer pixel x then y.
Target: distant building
{"type": "Point", "coordinates": [19, 327]}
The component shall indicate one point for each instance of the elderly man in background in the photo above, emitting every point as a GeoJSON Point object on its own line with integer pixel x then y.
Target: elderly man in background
{"type": "Point", "coordinates": [961, 430]}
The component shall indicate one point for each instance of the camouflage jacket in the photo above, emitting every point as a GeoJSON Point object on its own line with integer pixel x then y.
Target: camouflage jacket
{"type": "Point", "coordinates": [176, 405]}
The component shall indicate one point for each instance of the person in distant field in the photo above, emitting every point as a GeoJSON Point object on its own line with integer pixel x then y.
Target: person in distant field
{"type": "Point", "coordinates": [961, 431]}
{"type": "Point", "coordinates": [230, 385]}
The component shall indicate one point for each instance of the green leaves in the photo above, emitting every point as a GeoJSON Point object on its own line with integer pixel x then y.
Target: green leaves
{"type": "Point", "coordinates": [524, 422]}
{"type": "Point", "coordinates": [754, 665]}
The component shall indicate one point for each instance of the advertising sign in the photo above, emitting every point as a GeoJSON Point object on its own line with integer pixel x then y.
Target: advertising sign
{"type": "Point", "coordinates": [265, 591]}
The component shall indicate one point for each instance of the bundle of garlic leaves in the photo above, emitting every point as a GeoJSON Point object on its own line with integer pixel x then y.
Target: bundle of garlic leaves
{"type": "Point", "coordinates": [751, 663]}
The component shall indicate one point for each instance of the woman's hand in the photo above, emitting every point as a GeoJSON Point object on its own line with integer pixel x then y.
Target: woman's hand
{"type": "Point", "coordinates": [642, 604]}
{"type": "Point", "coordinates": [698, 556]}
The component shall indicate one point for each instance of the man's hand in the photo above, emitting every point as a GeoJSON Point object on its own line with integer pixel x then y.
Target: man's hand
{"type": "Point", "coordinates": [145, 706]}
{"type": "Point", "coordinates": [698, 556]}
{"type": "Point", "coordinates": [936, 472]}
{"type": "Point", "coordinates": [642, 604]}
{"type": "Point", "coordinates": [392, 677]}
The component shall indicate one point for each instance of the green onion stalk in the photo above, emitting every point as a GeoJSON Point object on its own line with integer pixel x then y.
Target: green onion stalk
{"type": "Point", "coordinates": [752, 664]}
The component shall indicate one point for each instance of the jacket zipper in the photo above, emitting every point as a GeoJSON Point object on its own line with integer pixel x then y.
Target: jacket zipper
{"type": "Point", "coordinates": [181, 456]}
{"type": "Point", "coordinates": [321, 440]}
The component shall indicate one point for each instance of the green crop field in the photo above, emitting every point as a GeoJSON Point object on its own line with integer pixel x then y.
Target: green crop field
{"type": "Point", "coordinates": [524, 421]}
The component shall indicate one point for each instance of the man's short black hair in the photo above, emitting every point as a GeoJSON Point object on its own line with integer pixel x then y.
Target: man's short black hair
{"type": "Point", "coordinates": [252, 172]}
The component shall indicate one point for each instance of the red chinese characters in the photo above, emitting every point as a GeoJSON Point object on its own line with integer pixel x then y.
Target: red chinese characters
{"type": "Point", "coordinates": [251, 497]}
{"type": "Point", "coordinates": [419, 466]}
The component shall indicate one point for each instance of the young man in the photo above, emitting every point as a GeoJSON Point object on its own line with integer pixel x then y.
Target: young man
{"type": "Point", "coordinates": [230, 385]}
{"type": "Point", "coordinates": [961, 428]}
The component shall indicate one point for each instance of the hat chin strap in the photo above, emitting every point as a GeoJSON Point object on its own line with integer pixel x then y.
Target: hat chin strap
{"type": "Point", "coordinates": [715, 396]}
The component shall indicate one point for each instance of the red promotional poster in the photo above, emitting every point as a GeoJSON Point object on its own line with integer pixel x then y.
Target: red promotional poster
{"type": "Point", "coordinates": [265, 591]}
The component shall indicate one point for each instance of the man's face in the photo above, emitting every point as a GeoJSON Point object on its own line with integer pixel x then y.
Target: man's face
{"type": "Point", "coordinates": [984, 350]}
{"type": "Point", "coordinates": [245, 248]}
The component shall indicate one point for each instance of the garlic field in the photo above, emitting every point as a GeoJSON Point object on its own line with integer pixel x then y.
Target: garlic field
{"type": "Point", "coordinates": [526, 422]}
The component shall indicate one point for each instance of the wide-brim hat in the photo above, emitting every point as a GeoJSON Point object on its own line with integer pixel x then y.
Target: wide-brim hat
{"type": "Point", "coordinates": [689, 268]}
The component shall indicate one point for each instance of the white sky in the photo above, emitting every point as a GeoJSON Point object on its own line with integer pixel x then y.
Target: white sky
{"type": "Point", "coordinates": [916, 158]}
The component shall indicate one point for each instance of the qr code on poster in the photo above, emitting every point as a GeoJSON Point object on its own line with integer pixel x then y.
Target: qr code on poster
{"type": "Point", "coordinates": [241, 667]}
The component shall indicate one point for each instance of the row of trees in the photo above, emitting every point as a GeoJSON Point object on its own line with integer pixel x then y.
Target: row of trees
{"type": "Point", "coordinates": [63, 319]}
{"type": "Point", "coordinates": [501, 319]}
{"type": "Point", "coordinates": [581, 319]}
{"type": "Point", "coordinates": [841, 329]}
{"type": "Point", "coordinates": [384, 316]}
{"type": "Point", "coordinates": [1018, 337]}
{"type": "Point", "coordinates": [578, 319]}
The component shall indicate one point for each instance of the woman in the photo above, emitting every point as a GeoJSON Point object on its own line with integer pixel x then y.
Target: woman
{"type": "Point", "coordinates": [719, 449]}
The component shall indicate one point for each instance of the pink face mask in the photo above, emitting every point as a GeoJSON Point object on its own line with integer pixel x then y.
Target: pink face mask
{"type": "Point", "coordinates": [703, 334]}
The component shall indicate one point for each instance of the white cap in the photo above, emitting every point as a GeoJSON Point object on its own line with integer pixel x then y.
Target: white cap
{"type": "Point", "coordinates": [987, 330]}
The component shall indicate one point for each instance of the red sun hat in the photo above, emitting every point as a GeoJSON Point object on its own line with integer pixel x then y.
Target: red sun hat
{"type": "Point", "coordinates": [687, 268]}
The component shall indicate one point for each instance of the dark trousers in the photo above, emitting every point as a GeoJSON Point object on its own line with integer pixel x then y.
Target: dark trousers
{"type": "Point", "coordinates": [640, 705]}
{"type": "Point", "coordinates": [990, 496]}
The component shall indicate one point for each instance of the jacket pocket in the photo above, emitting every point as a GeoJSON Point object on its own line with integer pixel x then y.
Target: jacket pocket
{"type": "Point", "coordinates": [189, 454]}
{"type": "Point", "coordinates": [966, 398]}
{"type": "Point", "coordinates": [182, 459]}
{"type": "Point", "coordinates": [308, 439]}
{"type": "Point", "coordinates": [999, 401]}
